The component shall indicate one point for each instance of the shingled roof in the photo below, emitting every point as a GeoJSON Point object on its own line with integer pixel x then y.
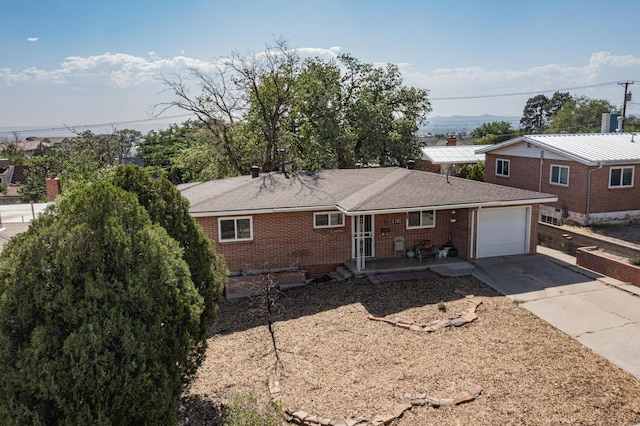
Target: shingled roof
{"type": "Point", "coordinates": [354, 191]}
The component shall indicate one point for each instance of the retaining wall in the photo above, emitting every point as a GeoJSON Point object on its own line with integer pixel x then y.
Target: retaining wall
{"type": "Point", "coordinates": [568, 242]}
{"type": "Point", "coordinates": [593, 259]}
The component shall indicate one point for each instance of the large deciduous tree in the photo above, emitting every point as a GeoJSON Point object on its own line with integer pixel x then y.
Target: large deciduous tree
{"type": "Point", "coordinates": [98, 315]}
{"type": "Point", "coordinates": [381, 114]}
{"type": "Point", "coordinates": [493, 132]}
{"type": "Point", "coordinates": [240, 90]}
{"type": "Point", "coordinates": [580, 115]}
{"type": "Point", "coordinates": [322, 113]}
{"type": "Point", "coordinates": [539, 111]}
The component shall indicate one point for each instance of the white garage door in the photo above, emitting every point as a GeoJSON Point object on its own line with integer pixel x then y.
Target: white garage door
{"type": "Point", "coordinates": [503, 231]}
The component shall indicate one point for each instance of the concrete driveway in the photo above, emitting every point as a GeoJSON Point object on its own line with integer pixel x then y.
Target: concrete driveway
{"type": "Point", "coordinates": [601, 313]}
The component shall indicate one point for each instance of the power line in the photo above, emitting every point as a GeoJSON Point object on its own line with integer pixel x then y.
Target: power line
{"type": "Point", "coordinates": [536, 92]}
{"type": "Point", "coordinates": [449, 98]}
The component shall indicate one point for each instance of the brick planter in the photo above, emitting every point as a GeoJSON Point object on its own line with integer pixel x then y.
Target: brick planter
{"type": "Point", "coordinates": [593, 259]}
{"type": "Point", "coordinates": [248, 285]}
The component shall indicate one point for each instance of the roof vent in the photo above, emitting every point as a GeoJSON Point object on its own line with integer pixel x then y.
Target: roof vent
{"type": "Point", "coordinates": [411, 165]}
{"type": "Point", "coordinates": [255, 171]}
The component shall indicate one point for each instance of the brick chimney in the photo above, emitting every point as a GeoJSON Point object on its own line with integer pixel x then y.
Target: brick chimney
{"type": "Point", "coordinates": [53, 188]}
{"type": "Point", "coordinates": [452, 140]}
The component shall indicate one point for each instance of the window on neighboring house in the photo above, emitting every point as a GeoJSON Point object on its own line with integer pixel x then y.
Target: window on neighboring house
{"type": "Point", "coordinates": [235, 229]}
{"type": "Point", "coordinates": [549, 219]}
{"type": "Point", "coordinates": [621, 177]}
{"type": "Point", "coordinates": [328, 220]}
{"type": "Point", "coordinates": [502, 167]}
{"type": "Point", "coordinates": [559, 175]}
{"type": "Point", "coordinates": [421, 219]}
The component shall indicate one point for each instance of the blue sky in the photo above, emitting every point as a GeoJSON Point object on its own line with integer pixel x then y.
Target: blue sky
{"type": "Point", "coordinates": [77, 63]}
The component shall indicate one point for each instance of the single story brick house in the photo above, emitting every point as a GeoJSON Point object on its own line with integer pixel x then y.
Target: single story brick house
{"type": "Point", "coordinates": [593, 175]}
{"type": "Point", "coordinates": [317, 221]}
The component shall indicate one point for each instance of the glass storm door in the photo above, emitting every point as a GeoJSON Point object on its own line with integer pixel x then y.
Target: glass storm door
{"type": "Point", "coordinates": [363, 246]}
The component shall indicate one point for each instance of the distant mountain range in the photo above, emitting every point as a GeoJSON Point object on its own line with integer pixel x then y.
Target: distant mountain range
{"type": "Point", "coordinates": [435, 125]}
{"type": "Point", "coordinates": [464, 123]}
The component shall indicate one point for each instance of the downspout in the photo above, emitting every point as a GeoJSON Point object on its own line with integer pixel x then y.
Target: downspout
{"type": "Point", "coordinates": [540, 172]}
{"type": "Point", "coordinates": [589, 191]}
{"type": "Point", "coordinates": [472, 234]}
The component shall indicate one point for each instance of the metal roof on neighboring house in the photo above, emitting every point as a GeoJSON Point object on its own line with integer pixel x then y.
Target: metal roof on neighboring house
{"type": "Point", "coordinates": [354, 191]}
{"type": "Point", "coordinates": [588, 148]}
{"type": "Point", "coordinates": [10, 230]}
{"type": "Point", "coordinates": [458, 154]}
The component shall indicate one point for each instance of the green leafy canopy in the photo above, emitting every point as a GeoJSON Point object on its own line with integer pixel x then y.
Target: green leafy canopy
{"type": "Point", "coordinates": [98, 315]}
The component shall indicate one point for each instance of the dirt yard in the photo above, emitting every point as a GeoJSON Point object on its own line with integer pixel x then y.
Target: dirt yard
{"type": "Point", "coordinates": [628, 233]}
{"type": "Point", "coordinates": [339, 364]}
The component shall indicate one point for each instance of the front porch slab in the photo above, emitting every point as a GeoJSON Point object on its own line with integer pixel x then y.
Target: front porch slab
{"type": "Point", "coordinates": [448, 266]}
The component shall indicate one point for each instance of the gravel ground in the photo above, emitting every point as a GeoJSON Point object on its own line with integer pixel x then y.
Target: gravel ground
{"type": "Point", "coordinates": [337, 363]}
{"type": "Point", "coordinates": [628, 233]}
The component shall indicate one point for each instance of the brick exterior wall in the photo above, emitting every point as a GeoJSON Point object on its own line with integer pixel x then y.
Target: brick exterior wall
{"type": "Point", "coordinates": [288, 240]}
{"type": "Point", "coordinates": [526, 173]}
{"type": "Point", "coordinates": [284, 240]}
{"type": "Point", "coordinates": [428, 166]}
{"type": "Point", "coordinates": [590, 258]}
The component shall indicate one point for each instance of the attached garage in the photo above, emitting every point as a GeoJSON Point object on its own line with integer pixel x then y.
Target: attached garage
{"type": "Point", "coordinates": [503, 231]}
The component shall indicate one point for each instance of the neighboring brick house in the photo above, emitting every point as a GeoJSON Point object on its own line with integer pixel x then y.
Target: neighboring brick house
{"type": "Point", "coordinates": [317, 221]}
{"type": "Point", "coordinates": [595, 176]}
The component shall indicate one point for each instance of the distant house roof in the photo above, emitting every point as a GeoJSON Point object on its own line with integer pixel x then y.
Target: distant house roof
{"type": "Point", "coordinates": [20, 174]}
{"type": "Point", "coordinates": [353, 191]}
{"type": "Point", "coordinates": [458, 154]}
{"type": "Point", "coordinates": [9, 230]}
{"type": "Point", "coordinates": [590, 148]}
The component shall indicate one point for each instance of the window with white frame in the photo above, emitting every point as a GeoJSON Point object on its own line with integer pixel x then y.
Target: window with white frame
{"type": "Point", "coordinates": [502, 167]}
{"type": "Point", "coordinates": [621, 177]}
{"type": "Point", "coordinates": [328, 220]}
{"type": "Point", "coordinates": [421, 219]}
{"type": "Point", "coordinates": [559, 175]}
{"type": "Point", "coordinates": [235, 229]}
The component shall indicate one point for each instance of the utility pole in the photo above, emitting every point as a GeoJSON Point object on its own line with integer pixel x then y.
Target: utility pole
{"type": "Point", "coordinates": [627, 97]}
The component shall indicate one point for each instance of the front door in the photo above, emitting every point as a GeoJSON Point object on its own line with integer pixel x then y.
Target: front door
{"type": "Point", "coordinates": [362, 232]}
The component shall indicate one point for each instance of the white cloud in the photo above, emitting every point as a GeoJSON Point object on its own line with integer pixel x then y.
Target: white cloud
{"type": "Point", "coordinates": [32, 39]}
{"type": "Point", "coordinates": [123, 71]}
{"type": "Point", "coordinates": [112, 69]}
{"type": "Point", "coordinates": [331, 52]}
{"type": "Point", "coordinates": [602, 67]}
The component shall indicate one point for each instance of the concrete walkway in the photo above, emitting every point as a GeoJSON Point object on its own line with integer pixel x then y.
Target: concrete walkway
{"type": "Point", "coordinates": [601, 313]}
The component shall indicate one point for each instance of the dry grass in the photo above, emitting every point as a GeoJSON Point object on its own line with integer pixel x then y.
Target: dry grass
{"type": "Point", "coordinates": [338, 364]}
